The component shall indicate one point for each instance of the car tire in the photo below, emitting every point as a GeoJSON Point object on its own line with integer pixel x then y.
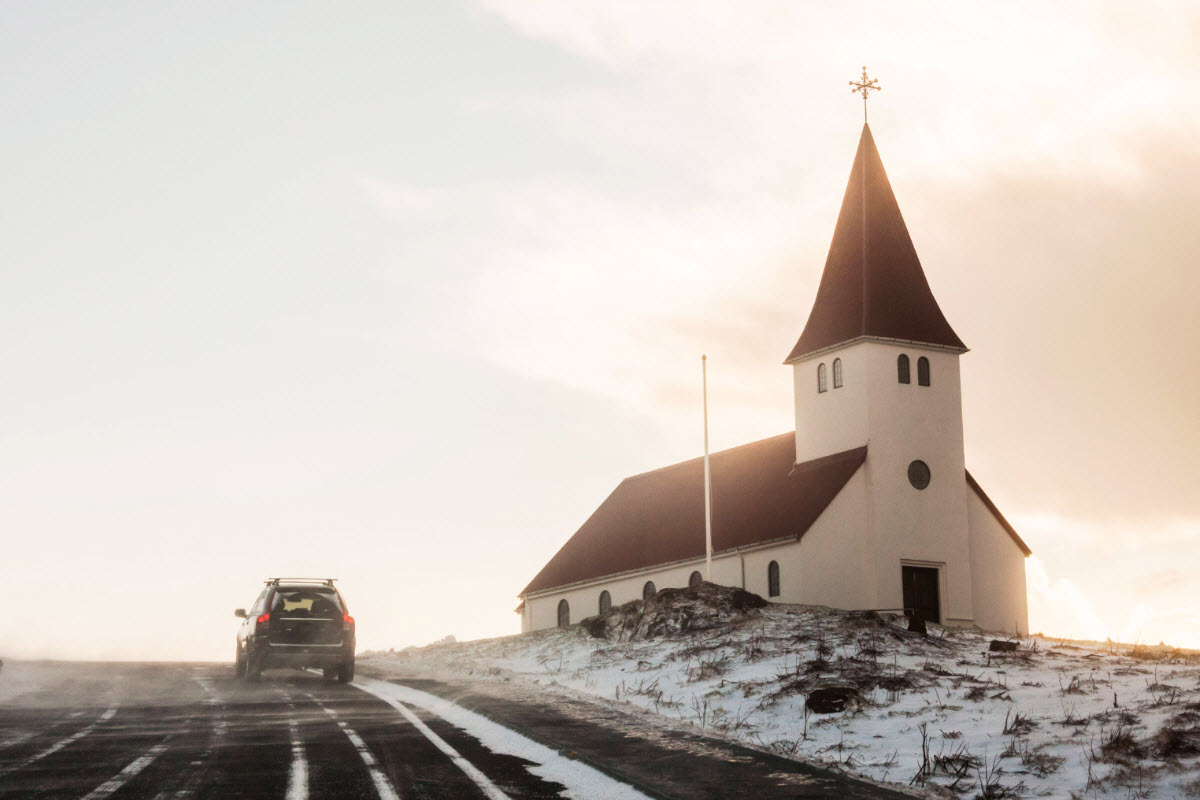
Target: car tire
{"type": "Point", "coordinates": [345, 672]}
{"type": "Point", "coordinates": [239, 665]}
{"type": "Point", "coordinates": [254, 667]}
{"type": "Point", "coordinates": [330, 673]}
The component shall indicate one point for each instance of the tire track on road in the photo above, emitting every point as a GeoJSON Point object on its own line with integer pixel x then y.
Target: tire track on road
{"type": "Point", "coordinates": [177, 735]}
{"type": "Point", "coordinates": [325, 761]}
{"type": "Point", "coordinates": [383, 787]}
{"type": "Point", "coordinates": [130, 772]}
{"type": "Point", "coordinates": [187, 781]}
{"type": "Point", "coordinates": [108, 714]}
{"type": "Point", "coordinates": [25, 736]}
{"type": "Point", "coordinates": [489, 789]}
{"type": "Point", "coordinates": [248, 748]}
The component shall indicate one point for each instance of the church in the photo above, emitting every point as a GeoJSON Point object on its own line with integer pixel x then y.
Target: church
{"type": "Point", "coordinates": [867, 505]}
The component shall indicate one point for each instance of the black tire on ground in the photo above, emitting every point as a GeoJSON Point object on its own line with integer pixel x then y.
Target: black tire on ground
{"type": "Point", "coordinates": [254, 667]}
{"type": "Point", "coordinates": [239, 665]}
{"type": "Point", "coordinates": [345, 672]}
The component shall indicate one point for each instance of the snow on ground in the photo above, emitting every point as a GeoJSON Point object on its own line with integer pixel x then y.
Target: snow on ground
{"type": "Point", "coordinates": [940, 712]}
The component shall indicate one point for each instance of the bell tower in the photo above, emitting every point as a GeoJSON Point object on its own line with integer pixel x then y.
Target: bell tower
{"type": "Point", "coordinates": [877, 365]}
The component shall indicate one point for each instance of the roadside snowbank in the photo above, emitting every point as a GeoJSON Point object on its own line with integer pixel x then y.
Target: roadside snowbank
{"type": "Point", "coordinates": [1052, 718]}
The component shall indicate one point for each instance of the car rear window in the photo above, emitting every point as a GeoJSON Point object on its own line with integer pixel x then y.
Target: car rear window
{"type": "Point", "coordinates": [306, 601]}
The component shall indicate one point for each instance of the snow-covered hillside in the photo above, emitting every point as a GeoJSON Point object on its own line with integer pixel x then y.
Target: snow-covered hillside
{"type": "Point", "coordinates": [1051, 718]}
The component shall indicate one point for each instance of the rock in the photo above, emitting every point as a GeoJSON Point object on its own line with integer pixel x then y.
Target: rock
{"type": "Point", "coordinates": [1000, 646]}
{"type": "Point", "coordinates": [832, 699]}
{"type": "Point", "coordinates": [744, 601]}
{"type": "Point", "coordinates": [597, 627]}
{"type": "Point", "coordinates": [673, 611]}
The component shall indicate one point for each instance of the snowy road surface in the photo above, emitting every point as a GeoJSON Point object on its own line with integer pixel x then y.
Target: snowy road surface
{"type": "Point", "coordinates": [163, 731]}
{"type": "Point", "coordinates": [182, 731]}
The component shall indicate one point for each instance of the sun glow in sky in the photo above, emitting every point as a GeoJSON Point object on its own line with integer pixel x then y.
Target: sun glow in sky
{"type": "Point", "coordinates": [398, 292]}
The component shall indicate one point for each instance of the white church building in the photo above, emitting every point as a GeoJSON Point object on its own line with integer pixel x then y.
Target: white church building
{"type": "Point", "coordinates": [868, 505]}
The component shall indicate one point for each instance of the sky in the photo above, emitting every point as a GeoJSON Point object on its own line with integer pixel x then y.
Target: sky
{"type": "Point", "coordinates": [398, 292]}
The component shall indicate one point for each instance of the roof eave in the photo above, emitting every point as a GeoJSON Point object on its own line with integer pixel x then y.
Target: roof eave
{"type": "Point", "coordinates": [1004, 523]}
{"type": "Point", "coordinates": [798, 357]}
{"type": "Point", "coordinates": [729, 551]}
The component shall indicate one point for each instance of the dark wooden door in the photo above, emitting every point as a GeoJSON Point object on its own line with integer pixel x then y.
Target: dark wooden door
{"type": "Point", "coordinates": [921, 593]}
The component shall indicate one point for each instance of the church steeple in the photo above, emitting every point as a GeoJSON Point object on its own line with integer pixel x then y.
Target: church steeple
{"type": "Point", "coordinates": [873, 285]}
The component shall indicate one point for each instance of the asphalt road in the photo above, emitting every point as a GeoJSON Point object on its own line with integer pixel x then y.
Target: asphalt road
{"type": "Point", "coordinates": [194, 731]}
{"type": "Point", "coordinates": [183, 731]}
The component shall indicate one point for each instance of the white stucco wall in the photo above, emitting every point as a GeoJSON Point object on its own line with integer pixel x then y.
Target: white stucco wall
{"type": "Point", "coordinates": [906, 423]}
{"type": "Point", "coordinates": [1001, 602]}
{"type": "Point", "coordinates": [900, 423]}
{"type": "Point", "coordinates": [834, 420]}
{"type": "Point", "coordinates": [835, 566]}
{"type": "Point", "coordinates": [584, 600]}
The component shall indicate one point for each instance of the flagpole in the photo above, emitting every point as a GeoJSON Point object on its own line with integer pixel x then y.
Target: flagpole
{"type": "Point", "coordinates": [707, 479]}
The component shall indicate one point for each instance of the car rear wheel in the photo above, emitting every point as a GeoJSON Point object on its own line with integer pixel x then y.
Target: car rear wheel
{"type": "Point", "coordinates": [254, 667]}
{"type": "Point", "coordinates": [330, 673]}
{"type": "Point", "coordinates": [345, 672]}
{"type": "Point", "coordinates": [239, 665]}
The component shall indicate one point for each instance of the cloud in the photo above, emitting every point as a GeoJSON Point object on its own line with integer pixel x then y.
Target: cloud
{"type": "Point", "coordinates": [570, 280]}
{"type": "Point", "coordinates": [1075, 295]}
{"type": "Point", "coordinates": [1057, 607]}
{"type": "Point", "coordinates": [1107, 579]}
{"type": "Point", "coordinates": [1049, 196]}
{"type": "Point", "coordinates": [772, 69]}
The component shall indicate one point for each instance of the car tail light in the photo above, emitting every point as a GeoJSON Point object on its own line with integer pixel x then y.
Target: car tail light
{"type": "Point", "coordinates": [347, 622]}
{"type": "Point", "coordinates": [261, 622]}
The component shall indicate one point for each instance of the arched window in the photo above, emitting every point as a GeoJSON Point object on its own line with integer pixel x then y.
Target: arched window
{"type": "Point", "coordinates": [648, 590]}
{"type": "Point", "coordinates": [837, 373]}
{"type": "Point", "coordinates": [695, 579]}
{"type": "Point", "coordinates": [605, 602]}
{"type": "Point", "coordinates": [902, 369]}
{"type": "Point", "coordinates": [923, 371]}
{"type": "Point", "coordinates": [821, 385]}
{"type": "Point", "coordinates": [564, 614]}
{"type": "Point", "coordinates": [773, 579]}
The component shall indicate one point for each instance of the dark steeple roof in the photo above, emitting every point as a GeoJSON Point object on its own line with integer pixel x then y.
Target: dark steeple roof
{"type": "Point", "coordinates": [873, 284]}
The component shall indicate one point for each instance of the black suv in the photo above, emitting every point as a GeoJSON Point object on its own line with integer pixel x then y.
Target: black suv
{"type": "Point", "coordinates": [297, 622]}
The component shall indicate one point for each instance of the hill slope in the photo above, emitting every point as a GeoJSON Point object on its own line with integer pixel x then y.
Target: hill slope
{"type": "Point", "coordinates": [943, 712]}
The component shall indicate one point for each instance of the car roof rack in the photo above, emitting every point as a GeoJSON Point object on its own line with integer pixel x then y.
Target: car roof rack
{"type": "Point", "coordinates": [318, 581]}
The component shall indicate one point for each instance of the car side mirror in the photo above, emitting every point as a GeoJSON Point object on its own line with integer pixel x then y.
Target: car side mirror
{"type": "Point", "coordinates": [241, 613]}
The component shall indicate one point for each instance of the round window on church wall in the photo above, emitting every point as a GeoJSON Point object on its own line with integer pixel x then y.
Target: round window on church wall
{"type": "Point", "coordinates": [918, 474]}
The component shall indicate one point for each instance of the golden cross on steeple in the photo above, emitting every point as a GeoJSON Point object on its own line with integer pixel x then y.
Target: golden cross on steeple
{"type": "Point", "coordinates": [863, 87]}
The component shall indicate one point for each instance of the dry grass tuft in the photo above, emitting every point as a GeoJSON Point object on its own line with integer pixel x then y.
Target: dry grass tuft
{"type": "Point", "coordinates": [1118, 745]}
{"type": "Point", "coordinates": [1041, 764]}
{"type": "Point", "coordinates": [1172, 743]}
